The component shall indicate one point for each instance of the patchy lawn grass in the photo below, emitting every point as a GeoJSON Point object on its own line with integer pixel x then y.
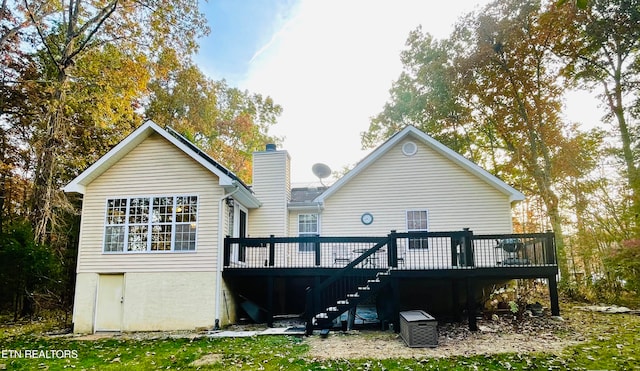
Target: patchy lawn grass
{"type": "Point", "coordinates": [611, 342]}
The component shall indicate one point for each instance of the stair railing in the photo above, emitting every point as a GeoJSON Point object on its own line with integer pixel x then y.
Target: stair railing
{"type": "Point", "coordinates": [338, 285]}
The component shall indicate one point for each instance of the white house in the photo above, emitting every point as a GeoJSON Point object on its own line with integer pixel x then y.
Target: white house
{"type": "Point", "coordinates": [156, 210]}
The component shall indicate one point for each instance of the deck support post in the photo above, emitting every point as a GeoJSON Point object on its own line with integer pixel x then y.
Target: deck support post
{"type": "Point", "coordinates": [455, 300]}
{"type": "Point", "coordinates": [270, 301]}
{"type": "Point", "coordinates": [309, 312]}
{"type": "Point", "coordinates": [317, 280]}
{"type": "Point", "coordinates": [553, 296]}
{"type": "Point", "coordinates": [471, 304]}
{"type": "Point", "coordinates": [351, 318]}
{"type": "Point", "coordinates": [395, 294]}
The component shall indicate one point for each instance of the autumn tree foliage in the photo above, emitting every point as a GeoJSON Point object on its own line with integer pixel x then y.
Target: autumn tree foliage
{"type": "Point", "coordinates": [227, 123]}
{"type": "Point", "coordinates": [604, 57]}
{"type": "Point", "coordinates": [68, 34]}
{"type": "Point", "coordinates": [493, 91]}
{"type": "Point", "coordinates": [77, 76]}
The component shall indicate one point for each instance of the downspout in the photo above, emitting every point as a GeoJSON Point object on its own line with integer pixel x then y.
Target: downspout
{"type": "Point", "coordinates": [220, 257]}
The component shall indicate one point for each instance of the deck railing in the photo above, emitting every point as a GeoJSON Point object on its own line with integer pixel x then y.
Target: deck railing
{"type": "Point", "coordinates": [402, 251]}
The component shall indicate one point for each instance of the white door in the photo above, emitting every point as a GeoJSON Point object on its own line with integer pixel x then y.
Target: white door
{"type": "Point", "coordinates": [109, 302]}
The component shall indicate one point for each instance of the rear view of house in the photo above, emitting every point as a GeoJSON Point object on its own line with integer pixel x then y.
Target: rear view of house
{"type": "Point", "coordinates": [170, 239]}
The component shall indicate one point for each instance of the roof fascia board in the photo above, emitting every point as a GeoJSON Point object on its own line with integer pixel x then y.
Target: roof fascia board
{"type": "Point", "coordinates": [514, 195]}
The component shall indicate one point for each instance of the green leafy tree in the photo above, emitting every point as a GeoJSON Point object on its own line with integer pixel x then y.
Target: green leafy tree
{"type": "Point", "coordinates": [25, 268]}
{"type": "Point", "coordinates": [605, 57]}
{"type": "Point", "coordinates": [624, 262]}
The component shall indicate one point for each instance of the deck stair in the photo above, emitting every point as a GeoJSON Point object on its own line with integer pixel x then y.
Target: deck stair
{"type": "Point", "coordinates": [360, 292]}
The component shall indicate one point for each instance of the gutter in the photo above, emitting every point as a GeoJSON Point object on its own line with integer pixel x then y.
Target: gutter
{"type": "Point", "coordinates": [305, 206]}
{"type": "Point", "coordinates": [220, 256]}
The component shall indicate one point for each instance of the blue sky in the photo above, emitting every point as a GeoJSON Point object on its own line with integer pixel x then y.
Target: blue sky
{"type": "Point", "coordinates": [328, 63]}
{"type": "Point", "coordinates": [238, 30]}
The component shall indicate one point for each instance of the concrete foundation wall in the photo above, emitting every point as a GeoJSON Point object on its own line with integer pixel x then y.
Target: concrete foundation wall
{"type": "Point", "coordinates": [154, 301]}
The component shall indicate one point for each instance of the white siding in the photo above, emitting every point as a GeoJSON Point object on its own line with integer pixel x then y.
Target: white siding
{"type": "Point", "coordinates": [271, 185]}
{"type": "Point", "coordinates": [395, 183]}
{"type": "Point", "coordinates": [155, 167]}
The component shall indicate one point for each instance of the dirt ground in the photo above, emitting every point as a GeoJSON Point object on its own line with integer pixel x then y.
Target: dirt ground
{"type": "Point", "coordinates": [497, 335]}
{"type": "Point", "coordinates": [494, 336]}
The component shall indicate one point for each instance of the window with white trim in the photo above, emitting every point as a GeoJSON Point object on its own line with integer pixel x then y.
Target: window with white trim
{"type": "Point", "coordinates": [417, 221]}
{"type": "Point", "coordinates": [141, 224]}
{"type": "Point", "coordinates": [307, 227]}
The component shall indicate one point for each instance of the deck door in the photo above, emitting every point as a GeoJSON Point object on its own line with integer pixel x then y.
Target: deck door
{"type": "Point", "coordinates": [242, 232]}
{"type": "Point", "coordinates": [238, 221]}
{"type": "Point", "coordinates": [109, 304]}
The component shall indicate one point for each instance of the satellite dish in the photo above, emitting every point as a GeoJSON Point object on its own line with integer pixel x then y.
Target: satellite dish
{"type": "Point", "coordinates": [321, 171]}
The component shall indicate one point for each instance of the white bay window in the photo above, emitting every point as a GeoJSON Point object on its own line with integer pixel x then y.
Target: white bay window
{"type": "Point", "coordinates": [141, 224]}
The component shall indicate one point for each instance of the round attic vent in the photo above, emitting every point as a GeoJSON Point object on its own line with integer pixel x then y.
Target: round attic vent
{"type": "Point", "coordinates": [409, 148]}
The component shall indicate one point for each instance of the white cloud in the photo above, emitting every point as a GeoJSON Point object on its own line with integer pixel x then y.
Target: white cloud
{"type": "Point", "coordinates": [331, 64]}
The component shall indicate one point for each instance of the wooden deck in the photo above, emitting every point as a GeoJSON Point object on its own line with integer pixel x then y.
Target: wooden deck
{"type": "Point", "coordinates": [340, 272]}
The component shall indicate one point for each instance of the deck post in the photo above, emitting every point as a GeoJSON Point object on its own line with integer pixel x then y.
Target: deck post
{"type": "Point", "coordinates": [316, 294]}
{"type": "Point", "coordinates": [316, 247]}
{"type": "Point", "coordinates": [550, 248]}
{"type": "Point", "coordinates": [553, 296]}
{"type": "Point", "coordinates": [395, 294]}
{"type": "Point", "coordinates": [270, 301]}
{"type": "Point", "coordinates": [468, 248]}
{"type": "Point", "coordinates": [392, 244]}
{"type": "Point", "coordinates": [351, 317]}
{"type": "Point", "coordinates": [227, 252]}
{"type": "Point", "coordinates": [471, 304]}
{"type": "Point", "coordinates": [308, 312]}
{"type": "Point", "coordinates": [455, 299]}
{"type": "Point", "coordinates": [272, 251]}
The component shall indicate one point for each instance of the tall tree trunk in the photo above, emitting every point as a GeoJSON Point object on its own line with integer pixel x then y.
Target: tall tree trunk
{"type": "Point", "coordinates": [44, 186]}
{"type": "Point", "coordinates": [3, 177]}
{"type": "Point", "coordinates": [540, 170]}
{"type": "Point", "coordinates": [615, 102]}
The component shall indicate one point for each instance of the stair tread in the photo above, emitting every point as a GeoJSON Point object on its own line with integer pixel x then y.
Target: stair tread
{"type": "Point", "coordinates": [326, 318]}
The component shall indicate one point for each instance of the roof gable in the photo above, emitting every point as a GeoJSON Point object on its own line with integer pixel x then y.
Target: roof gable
{"type": "Point", "coordinates": [438, 147]}
{"type": "Point", "coordinates": [227, 178]}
